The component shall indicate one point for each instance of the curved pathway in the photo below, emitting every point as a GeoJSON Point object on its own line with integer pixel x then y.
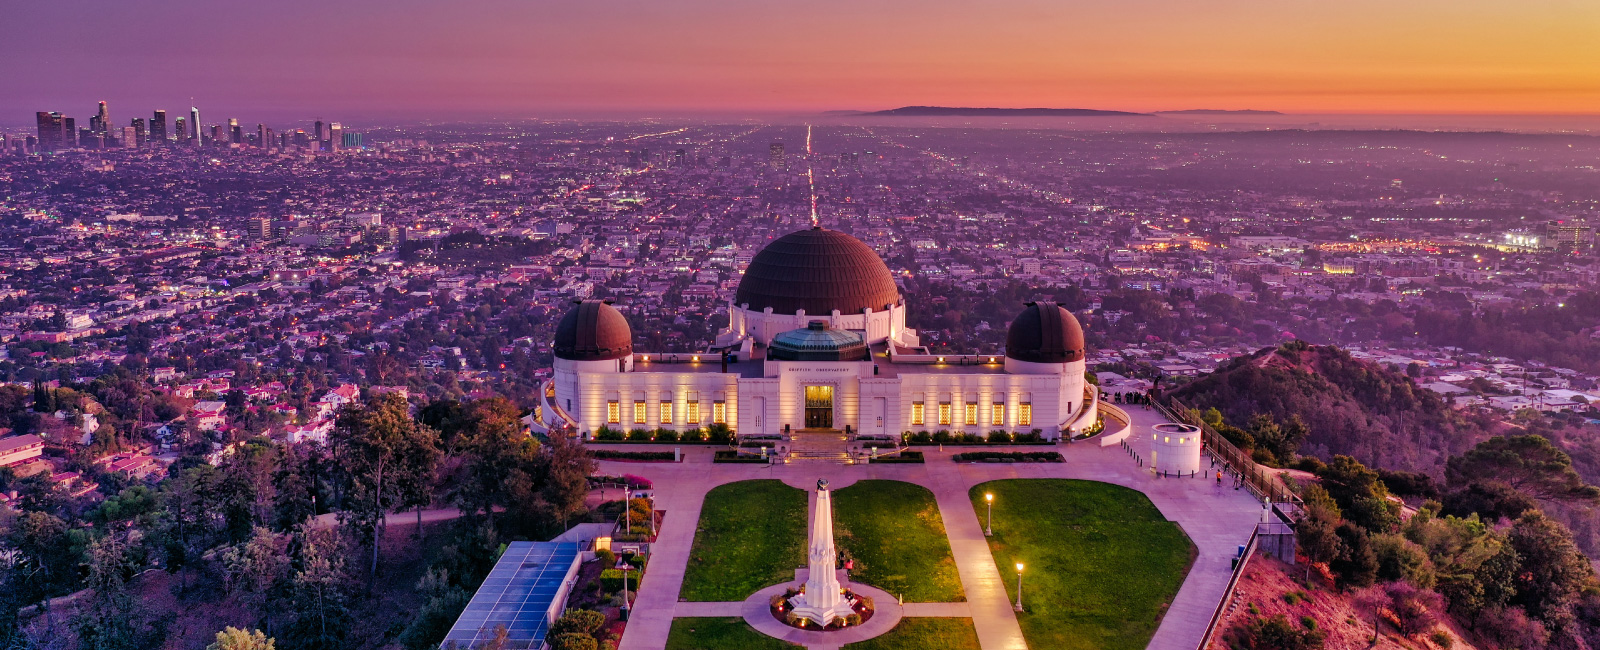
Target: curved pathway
{"type": "Point", "coordinates": [1216, 519]}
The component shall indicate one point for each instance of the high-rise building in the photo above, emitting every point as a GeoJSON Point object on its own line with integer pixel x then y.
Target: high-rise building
{"type": "Point", "coordinates": [351, 141]}
{"type": "Point", "coordinates": [180, 127]}
{"type": "Point", "coordinates": [51, 128]}
{"type": "Point", "coordinates": [194, 127]}
{"type": "Point", "coordinates": [218, 137]}
{"type": "Point", "coordinates": [235, 134]}
{"type": "Point", "coordinates": [129, 137]}
{"type": "Point", "coordinates": [262, 139]}
{"type": "Point", "coordinates": [1569, 235]}
{"type": "Point", "coordinates": [775, 158]}
{"type": "Point", "coordinates": [335, 136]}
{"type": "Point", "coordinates": [158, 128]}
{"type": "Point", "coordinates": [259, 228]}
{"type": "Point", "coordinates": [104, 115]}
{"type": "Point", "coordinates": [317, 134]}
{"type": "Point", "coordinates": [139, 133]}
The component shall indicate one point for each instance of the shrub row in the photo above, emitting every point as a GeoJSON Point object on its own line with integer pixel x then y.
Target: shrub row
{"type": "Point", "coordinates": [611, 580]}
{"type": "Point", "coordinates": [711, 434]}
{"type": "Point", "coordinates": [904, 457]}
{"type": "Point", "coordinates": [731, 456]}
{"type": "Point", "coordinates": [1014, 456]}
{"type": "Point", "coordinates": [995, 437]}
{"type": "Point", "coordinates": [608, 454]}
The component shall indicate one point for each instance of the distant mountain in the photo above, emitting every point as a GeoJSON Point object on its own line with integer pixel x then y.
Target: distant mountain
{"type": "Point", "coordinates": [1350, 406]}
{"type": "Point", "coordinates": [947, 111]}
{"type": "Point", "coordinates": [1217, 111]}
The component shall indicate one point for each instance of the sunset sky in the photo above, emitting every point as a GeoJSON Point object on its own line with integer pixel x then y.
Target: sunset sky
{"type": "Point", "coordinates": [534, 57]}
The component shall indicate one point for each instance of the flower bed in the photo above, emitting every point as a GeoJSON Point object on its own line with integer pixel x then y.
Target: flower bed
{"type": "Point", "coordinates": [995, 437]}
{"type": "Point", "coordinates": [1009, 457]}
{"type": "Point", "coordinates": [861, 608]}
{"type": "Point", "coordinates": [715, 434]}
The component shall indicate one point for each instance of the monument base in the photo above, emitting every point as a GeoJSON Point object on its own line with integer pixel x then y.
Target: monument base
{"type": "Point", "coordinates": [820, 616]}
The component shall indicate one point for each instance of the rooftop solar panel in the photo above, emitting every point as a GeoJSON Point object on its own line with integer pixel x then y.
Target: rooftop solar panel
{"type": "Point", "coordinates": [519, 593]}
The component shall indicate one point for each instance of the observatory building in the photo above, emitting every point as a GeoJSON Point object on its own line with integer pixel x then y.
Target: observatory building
{"type": "Point", "coordinates": [817, 340]}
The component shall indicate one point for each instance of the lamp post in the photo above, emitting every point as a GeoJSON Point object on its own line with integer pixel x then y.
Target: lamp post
{"type": "Point", "coordinates": [652, 498]}
{"type": "Point", "coordinates": [988, 498]}
{"type": "Point", "coordinates": [625, 567]}
{"type": "Point", "coordinates": [1018, 606]}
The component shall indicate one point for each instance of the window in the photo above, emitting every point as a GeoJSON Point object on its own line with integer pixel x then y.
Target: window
{"type": "Point", "coordinates": [613, 412]}
{"type": "Point", "coordinates": [972, 413]}
{"type": "Point", "coordinates": [691, 412]}
{"type": "Point", "coordinates": [638, 412]}
{"type": "Point", "coordinates": [1025, 414]}
{"type": "Point", "coordinates": [944, 413]}
{"type": "Point", "coordinates": [666, 412]}
{"type": "Point", "coordinates": [997, 414]}
{"type": "Point", "coordinates": [719, 412]}
{"type": "Point", "coordinates": [916, 413]}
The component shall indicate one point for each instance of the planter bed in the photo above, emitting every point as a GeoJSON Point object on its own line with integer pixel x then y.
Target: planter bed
{"type": "Point", "coordinates": [731, 456]}
{"type": "Point", "coordinates": [1009, 457]}
{"type": "Point", "coordinates": [639, 456]}
{"type": "Point", "coordinates": [904, 457]}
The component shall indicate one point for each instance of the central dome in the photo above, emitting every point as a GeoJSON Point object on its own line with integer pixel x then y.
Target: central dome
{"type": "Point", "coordinates": [817, 270]}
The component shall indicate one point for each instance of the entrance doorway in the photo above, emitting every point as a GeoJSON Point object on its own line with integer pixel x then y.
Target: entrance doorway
{"type": "Point", "coordinates": [819, 407]}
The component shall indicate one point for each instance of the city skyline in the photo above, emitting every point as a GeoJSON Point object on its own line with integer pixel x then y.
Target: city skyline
{"type": "Point", "coordinates": [630, 58]}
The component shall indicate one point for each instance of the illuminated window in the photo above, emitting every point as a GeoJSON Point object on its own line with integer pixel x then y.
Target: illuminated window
{"type": "Point", "coordinates": [719, 412]}
{"type": "Point", "coordinates": [638, 412]}
{"type": "Point", "coordinates": [538, 413]}
{"type": "Point", "coordinates": [691, 412]}
{"type": "Point", "coordinates": [944, 413]}
{"type": "Point", "coordinates": [997, 414]}
{"type": "Point", "coordinates": [972, 413]}
{"type": "Point", "coordinates": [1025, 414]}
{"type": "Point", "coordinates": [666, 412]}
{"type": "Point", "coordinates": [916, 413]}
{"type": "Point", "coordinates": [613, 412]}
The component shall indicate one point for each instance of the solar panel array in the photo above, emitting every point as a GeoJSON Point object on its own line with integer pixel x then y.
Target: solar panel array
{"type": "Point", "coordinates": [527, 580]}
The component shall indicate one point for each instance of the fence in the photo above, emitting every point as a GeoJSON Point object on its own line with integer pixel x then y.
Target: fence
{"type": "Point", "coordinates": [1261, 480]}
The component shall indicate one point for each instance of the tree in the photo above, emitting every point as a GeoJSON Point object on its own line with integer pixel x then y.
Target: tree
{"type": "Point", "coordinates": [495, 452]}
{"type": "Point", "coordinates": [1315, 529]}
{"type": "Point", "coordinates": [1360, 494]}
{"type": "Point", "coordinates": [232, 638]}
{"type": "Point", "coordinates": [1401, 559]}
{"type": "Point", "coordinates": [46, 561]}
{"type": "Point", "coordinates": [1355, 565]}
{"type": "Point", "coordinates": [369, 442]}
{"type": "Point", "coordinates": [1527, 463]}
{"type": "Point", "coordinates": [1490, 499]}
{"type": "Point", "coordinates": [1415, 610]}
{"type": "Point", "coordinates": [252, 569]}
{"type": "Point", "coordinates": [319, 591]}
{"type": "Point", "coordinates": [1275, 633]}
{"type": "Point", "coordinates": [113, 619]}
{"type": "Point", "coordinates": [1552, 571]}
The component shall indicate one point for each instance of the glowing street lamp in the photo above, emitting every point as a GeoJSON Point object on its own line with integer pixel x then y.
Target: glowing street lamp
{"type": "Point", "coordinates": [988, 498]}
{"type": "Point", "coordinates": [1019, 587]}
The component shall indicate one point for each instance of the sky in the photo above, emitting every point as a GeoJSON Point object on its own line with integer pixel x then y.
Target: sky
{"type": "Point", "coordinates": [547, 58]}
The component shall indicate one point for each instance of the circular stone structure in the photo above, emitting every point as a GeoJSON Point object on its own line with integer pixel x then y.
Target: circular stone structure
{"type": "Point", "coordinates": [1175, 448]}
{"type": "Point", "coordinates": [817, 271]}
{"type": "Point", "coordinates": [1045, 333]}
{"type": "Point", "coordinates": [886, 613]}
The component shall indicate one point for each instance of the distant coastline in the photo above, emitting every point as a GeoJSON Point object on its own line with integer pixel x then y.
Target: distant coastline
{"type": "Point", "coordinates": [948, 111]}
{"type": "Point", "coordinates": [1217, 111]}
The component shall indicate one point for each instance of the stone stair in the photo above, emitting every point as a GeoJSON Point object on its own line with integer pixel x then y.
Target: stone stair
{"type": "Point", "coordinates": [814, 446]}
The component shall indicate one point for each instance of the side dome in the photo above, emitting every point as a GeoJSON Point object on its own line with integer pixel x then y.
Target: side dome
{"type": "Point", "coordinates": [593, 331]}
{"type": "Point", "coordinates": [817, 270]}
{"type": "Point", "coordinates": [1045, 333]}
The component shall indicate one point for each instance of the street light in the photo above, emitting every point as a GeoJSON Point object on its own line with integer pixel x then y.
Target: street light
{"type": "Point", "coordinates": [988, 497]}
{"type": "Point", "coordinates": [1019, 586]}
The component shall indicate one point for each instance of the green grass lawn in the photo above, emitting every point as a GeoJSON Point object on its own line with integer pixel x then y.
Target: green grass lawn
{"type": "Point", "coordinates": [894, 532]}
{"type": "Point", "coordinates": [924, 634]}
{"type": "Point", "coordinates": [752, 534]}
{"type": "Point", "coordinates": [720, 634]}
{"type": "Point", "coordinates": [1101, 564]}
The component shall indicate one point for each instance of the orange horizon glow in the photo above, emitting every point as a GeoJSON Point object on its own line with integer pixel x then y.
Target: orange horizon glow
{"type": "Point", "coordinates": [1462, 57]}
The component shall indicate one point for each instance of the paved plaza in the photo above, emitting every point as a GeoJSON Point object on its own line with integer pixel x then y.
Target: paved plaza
{"type": "Point", "coordinates": [1217, 520]}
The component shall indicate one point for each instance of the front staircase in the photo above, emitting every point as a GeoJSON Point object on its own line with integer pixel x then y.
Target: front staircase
{"type": "Point", "coordinates": [819, 446]}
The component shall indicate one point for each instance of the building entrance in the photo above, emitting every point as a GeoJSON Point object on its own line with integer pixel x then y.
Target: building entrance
{"type": "Point", "coordinates": [819, 407]}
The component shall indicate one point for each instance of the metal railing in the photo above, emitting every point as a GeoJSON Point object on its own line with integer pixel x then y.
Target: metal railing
{"type": "Point", "coordinates": [1227, 596]}
{"type": "Point", "coordinates": [1260, 480]}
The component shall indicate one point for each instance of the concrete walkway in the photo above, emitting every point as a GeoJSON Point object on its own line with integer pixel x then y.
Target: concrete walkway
{"type": "Point", "coordinates": [1216, 519]}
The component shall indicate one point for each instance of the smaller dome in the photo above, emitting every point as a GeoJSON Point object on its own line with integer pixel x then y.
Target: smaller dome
{"type": "Point", "coordinates": [817, 342]}
{"type": "Point", "coordinates": [1045, 333]}
{"type": "Point", "coordinates": [593, 331]}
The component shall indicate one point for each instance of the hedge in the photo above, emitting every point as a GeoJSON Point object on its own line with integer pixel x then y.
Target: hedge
{"type": "Point", "coordinates": [904, 457]}
{"type": "Point", "coordinates": [611, 580]}
{"type": "Point", "coordinates": [713, 434]}
{"type": "Point", "coordinates": [994, 437]}
{"type": "Point", "coordinates": [1014, 456]}
{"type": "Point", "coordinates": [731, 456]}
{"type": "Point", "coordinates": [654, 456]}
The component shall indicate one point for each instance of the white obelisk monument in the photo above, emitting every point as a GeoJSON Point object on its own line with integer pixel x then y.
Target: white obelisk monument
{"type": "Point", "coordinates": [822, 602]}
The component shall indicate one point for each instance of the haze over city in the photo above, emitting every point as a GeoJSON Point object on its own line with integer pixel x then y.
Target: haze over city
{"type": "Point", "coordinates": [618, 325]}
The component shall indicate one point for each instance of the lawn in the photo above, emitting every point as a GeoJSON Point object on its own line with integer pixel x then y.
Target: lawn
{"type": "Point", "coordinates": [893, 531]}
{"type": "Point", "coordinates": [924, 634]}
{"type": "Point", "coordinates": [720, 634]}
{"type": "Point", "coordinates": [752, 534]}
{"type": "Point", "coordinates": [1101, 565]}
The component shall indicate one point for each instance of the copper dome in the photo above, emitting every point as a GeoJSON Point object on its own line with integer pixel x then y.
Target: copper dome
{"type": "Point", "coordinates": [817, 270]}
{"type": "Point", "coordinates": [1045, 333]}
{"type": "Point", "coordinates": [593, 331]}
